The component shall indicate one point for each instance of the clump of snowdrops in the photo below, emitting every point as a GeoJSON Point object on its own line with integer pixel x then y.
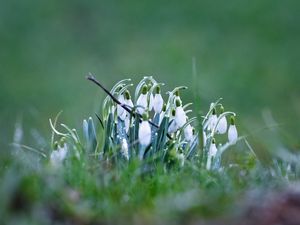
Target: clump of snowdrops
{"type": "Point", "coordinates": [149, 124]}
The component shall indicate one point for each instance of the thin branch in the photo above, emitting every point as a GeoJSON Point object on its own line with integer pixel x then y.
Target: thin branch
{"type": "Point", "coordinates": [124, 106]}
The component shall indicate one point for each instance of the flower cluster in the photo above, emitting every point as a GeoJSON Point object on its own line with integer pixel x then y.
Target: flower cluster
{"type": "Point", "coordinates": [147, 125]}
{"type": "Point", "coordinates": [217, 125]}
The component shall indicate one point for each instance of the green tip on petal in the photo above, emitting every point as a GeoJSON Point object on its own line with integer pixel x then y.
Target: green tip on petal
{"type": "Point", "coordinates": [164, 108]}
{"type": "Point", "coordinates": [145, 116]}
{"type": "Point", "coordinates": [214, 111]}
{"type": "Point", "coordinates": [62, 142]}
{"type": "Point", "coordinates": [177, 93]}
{"type": "Point", "coordinates": [232, 120]}
{"type": "Point", "coordinates": [157, 90]}
{"type": "Point", "coordinates": [213, 141]}
{"type": "Point", "coordinates": [178, 103]}
{"type": "Point", "coordinates": [127, 95]}
{"type": "Point", "coordinates": [173, 112]}
{"type": "Point", "coordinates": [55, 145]}
{"type": "Point", "coordinates": [222, 109]}
{"type": "Point", "coordinates": [144, 89]}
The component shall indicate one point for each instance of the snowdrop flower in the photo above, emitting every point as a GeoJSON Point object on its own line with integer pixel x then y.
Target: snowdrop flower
{"type": "Point", "coordinates": [189, 133]}
{"type": "Point", "coordinates": [57, 156]}
{"type": "Point", "coordinates": [144, 131]}
{"type": "Point", "coordinates": [158, 101]}
{"type": "Point", "coordinates": [232, 131]}
{"type": "Point", "coordinates": [142, 100]}
{"type": "Point", "coordinates": [213, 149]}
{"type": "Point", "coordinates": [212, 121]}
{"type": "Point", "coordinates": [211, 154]}
{"type": "Point", "coordinates": [180, 116]}
{"type": "Point", "coordinates": [127, 100]}
{"type": "Point", "coordinates": [124, 148]}
{"type": "Point", "coordinates": [173, 126]}
{"type": "Point", "coordinates": [120, 111]}
{"type": "Point", "coordinates": [222, 125]}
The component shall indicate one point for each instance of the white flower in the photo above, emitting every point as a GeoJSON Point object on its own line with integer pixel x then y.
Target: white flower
{"type": "Point", "coordinates": [124, 148]}
{"type": "Point", "coordinates": [212, 121]}
{"type": "Point", "coordinates": [180, 116]}
{"type": "Point", "coordinates": [120, 111]}
{"type": "Point", "coordinates": [57, 156]}
{"type": "Point", "coordinates": [141, 103]}
{"type": "Point", "coordinates": [211, 154]}
{"type": "Point", "coordinates": [222, 126]}
{"type": "Point", "coordinates": [188, 133]}
{"type": "Point", "coordinates": [213, 149]}
{"type": "Point", "coordinates": [158, 103]}
{"type": "Point", "coordinates": [232, 134]}
{"type": "Point", "coordinates": [144, 133]}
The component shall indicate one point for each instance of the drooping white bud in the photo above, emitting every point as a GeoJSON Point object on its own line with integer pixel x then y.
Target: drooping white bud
{"type": "Point", "coordinates": [232, 134]}
{"type": "Point", "coordinates": [144, 133]}
{"type": "Point", "coordinates": [222, 126]}
{"type": "Point", "coordinates": [142, 103]}
{"type": "Point", "coordinates": [180, 115]}
{"type": "Point", "coordinates": [213, 149]}
{"type": "Point", "coordinates": [158, 103]}
{"type": "Point", "coordinates": [124, 148]}
{"type": "Point", "coordinates": [213, 119]}
{"type": "Point", "coordinates": [188, 133]}
{"type": "Point", "coordinates": [232, 131]}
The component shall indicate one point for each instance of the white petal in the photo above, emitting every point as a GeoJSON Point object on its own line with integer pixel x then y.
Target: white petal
{"type": "Point", "coordinates": [141, 103]}
{"type": "Point", "coordinates": [212, 121]}
{"type": "Point", "coordinates": [127, 123]}
{"type": "Point", "coordinates": [232, 134]}
{"type": "Point", "coordinates": [188, 133]}
{"type": "Point", "coordinates": [120, 111]}
{"type": "Point", "coordinates": [213, 150]}
{"type": "Point", "coordinates": [181, 159]}
{"type": "Point", "coordinates": [144, 133]}
{"type": "Point", "coordinates": [158, 103]}
{"type": "Point", "coordinates": [222, 126]}
{"type": "Point", "coordinates": [124, 148]}
{"type": "Point", "coordinates": [172, 127]}
{"type": "Point", "coordinates": [129, 103]}
{"type": "Point", "coordinates": [180, 116]}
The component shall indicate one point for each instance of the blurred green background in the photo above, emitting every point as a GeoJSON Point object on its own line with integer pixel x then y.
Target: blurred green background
{"type": "Point", "coordinates": [246, 52]}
